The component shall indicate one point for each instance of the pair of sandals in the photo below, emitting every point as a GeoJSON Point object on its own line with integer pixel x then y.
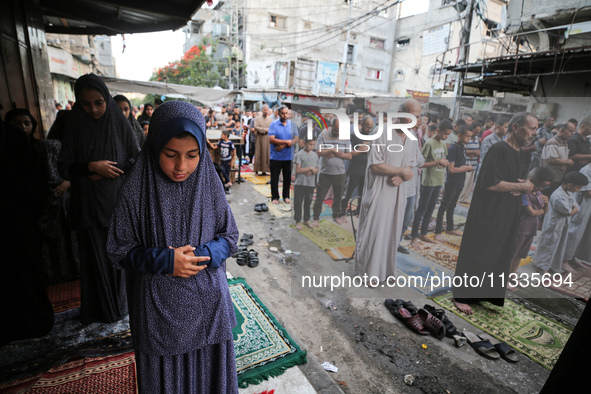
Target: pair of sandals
{"type": "Point", "coordinates": [245, 242]}
{"type": "Point", "coordinates": [490, 347]}
{"type": "Point", "coordinates": [250, 258]}
{"type": "Point", "coordinates": [419, 321]}
{"type": "Point", "coordinates": [261, 207]}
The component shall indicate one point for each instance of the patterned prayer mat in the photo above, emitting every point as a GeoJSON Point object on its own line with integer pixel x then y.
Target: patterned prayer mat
{"type": "Point", "coordinates": [280, 210]}
{"type": "Point", "coordinates": [581, 286]}
{"type": "Point", "coordinates": [532, 334]}
{"type": "Point", "coordinates": [440, 253]}
{"type": "Point", "coordinates": [64, 296]}
{"type": "Point", "coordinates": [263, 348]}
{"type": "Point", "coordinates": [328, 235]}
{"type": "Point", "coordinates": [110, 374]}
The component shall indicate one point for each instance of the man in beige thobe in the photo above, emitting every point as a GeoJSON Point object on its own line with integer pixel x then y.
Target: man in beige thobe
{"type": "Point", "coordinates": [384, 202]}
{"type": "Point", "coordinates": [262, 148]}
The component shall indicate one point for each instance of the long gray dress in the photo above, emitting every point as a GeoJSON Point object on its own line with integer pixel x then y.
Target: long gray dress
{"type": "Point", "coordinates": [552, 244]}
{"type": "Point", "coordinates": [578, 243]}
{"type": "Point", "coordinates": [382, 211]}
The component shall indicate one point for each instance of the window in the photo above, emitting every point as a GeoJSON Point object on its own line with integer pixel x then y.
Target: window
{"type": "Point", "coordinates": [355, 3]}
{"type": "Point", "coordinates": [277, 21]}
{"type": "Point", "coordinates": [445, 3]}
{"type": "Point", "coordinates": [399, 74]}
{"type": "Point", "coordinates": [373, 73]}
{"type": "Point", "coordinates": [307, 25]}
{"type": "Point", "coordinates": [402, 43]}
{"type": "Point", "coordinates": [377, 43]}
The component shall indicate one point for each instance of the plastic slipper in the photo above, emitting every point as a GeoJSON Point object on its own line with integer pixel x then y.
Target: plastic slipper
{"type": "Point", "coordinates": [413, 322]}
{"type": "Point", "coordinates": [258, 208]}
{"type": "Point", "coordinates": [506, 352]}
{"type": "Point", "coordinates": [242, 258]}
{"type": "Point", "coordinates": [393, 306]}
{"type": "Point", "coordinates": [253, 258]}
{"type": "Point", "coordinates": [264, 207]}
{"type": "Point", "coordinates": [484, 348]}
{"type": "Point", "coordinates": [432, 324]}
{"type": "Point", "coordinates": [247, 236]}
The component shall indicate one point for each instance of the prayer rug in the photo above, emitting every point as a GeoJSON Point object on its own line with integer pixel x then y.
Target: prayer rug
{"type": "Point", "coordinates": [263, 347]}
{"type": "Point", "coordinates": [419, 273]}
{"type": "Point", "coordinates": [264, 189]}
{"type": "Point", "coordinates": [110, 374]}
{"type": "Point", "coordinates": [64, 296]}
{"type": "Point", "coordinates": [538, 337]}
{"type": "Point", "coordinates": [328, 235]}
{"type": "Point", "coordinates": [581, 285]}
{"type": "Point", "coordinates": [256, 179]}
{"type": "Point", "coordinates": [280, 210]}
{"type": "Point", "coordinates": [341, 252]}
{"type": "Point", "coordinates": [440, 253]}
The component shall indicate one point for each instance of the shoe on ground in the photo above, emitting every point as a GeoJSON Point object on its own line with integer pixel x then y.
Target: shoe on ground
{"type": "Point", "coordinates": [402, 249]}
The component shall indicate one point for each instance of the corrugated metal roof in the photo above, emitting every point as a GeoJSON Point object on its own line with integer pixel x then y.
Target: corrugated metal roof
{"type": "Point", "coordinates": [112, 17]}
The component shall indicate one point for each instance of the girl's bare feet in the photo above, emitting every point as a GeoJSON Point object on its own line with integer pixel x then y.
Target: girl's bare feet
{"type": "Point", "coordinates": [299, 226]}
{"type": "Point", "coordinates": [439, 238]}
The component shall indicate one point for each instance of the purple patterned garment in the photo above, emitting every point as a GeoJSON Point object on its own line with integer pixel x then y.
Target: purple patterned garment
{"type": "Point", "coordinates": [172, 315]}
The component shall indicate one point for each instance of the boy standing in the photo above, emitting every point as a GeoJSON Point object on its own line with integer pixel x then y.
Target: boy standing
{"type": "Point", "coordinates": [306, 162]}
{"type": "Point", "coordinates": [434, 151]}
{"type": "Point", "coordinates": [456, 176]}
{"type": "Point", "coordinates": [552, 244]}
{"type": "Point", "coordinates": [227, 154]}
{"type": "Point", "coordinates": [534, 205]}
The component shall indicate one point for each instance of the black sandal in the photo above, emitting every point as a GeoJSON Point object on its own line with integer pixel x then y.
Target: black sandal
{"type": "Point", "coordinates": [253, 258]}
{"type": "Point", "coordinates": [450, 329]}
{"type": "Point", "coordinates": [257, 208]}
{"type": "Point", "coordinates": [242, 258]}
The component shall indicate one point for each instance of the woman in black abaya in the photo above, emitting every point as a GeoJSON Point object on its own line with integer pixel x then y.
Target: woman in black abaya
{"type": "Point", "coordinates": [99, 148]}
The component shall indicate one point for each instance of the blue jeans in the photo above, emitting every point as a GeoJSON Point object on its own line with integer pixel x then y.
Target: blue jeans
{"type": "Point", "coordinates": [427, 201]}
{"type": "Point", "coordinates": [409, 213]}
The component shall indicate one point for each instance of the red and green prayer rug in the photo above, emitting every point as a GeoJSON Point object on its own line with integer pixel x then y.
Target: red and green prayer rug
{"type": "Point", "coordinates": [110, 374]}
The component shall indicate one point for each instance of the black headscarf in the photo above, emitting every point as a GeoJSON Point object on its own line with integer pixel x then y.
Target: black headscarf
{"type": "Point", "coordinates": [86, 140]}
{"type": "Point", "coordinates": [135, 125]}
{"type": "Point", "coordinates": [20, 111]}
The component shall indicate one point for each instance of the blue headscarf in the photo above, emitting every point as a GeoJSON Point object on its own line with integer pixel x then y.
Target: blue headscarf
{"type": "Point", "coordinates": [172, 315]}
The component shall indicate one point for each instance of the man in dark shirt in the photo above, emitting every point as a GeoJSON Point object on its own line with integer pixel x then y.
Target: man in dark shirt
{"type": "Point", "coordinates": [358, 164]}
{"type": "Point", "coordinates": [579, 146]}
{"type": "Point", "coordinates": [456, 176]}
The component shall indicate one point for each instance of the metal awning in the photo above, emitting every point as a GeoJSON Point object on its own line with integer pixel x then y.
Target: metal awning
{"type": "Point", "coordinates": [518, 73]}
{"type": "Point", "coordinates": [110, 17]}
{"type": "Point", "coordinates": [207, 96]}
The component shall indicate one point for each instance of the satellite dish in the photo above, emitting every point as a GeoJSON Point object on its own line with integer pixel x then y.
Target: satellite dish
{"type": "Point", "coordinates": [503, 23]}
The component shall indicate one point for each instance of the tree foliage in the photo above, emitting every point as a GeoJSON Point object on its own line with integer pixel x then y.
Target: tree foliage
{"type": "Point", "coordinates": [195, 68]}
